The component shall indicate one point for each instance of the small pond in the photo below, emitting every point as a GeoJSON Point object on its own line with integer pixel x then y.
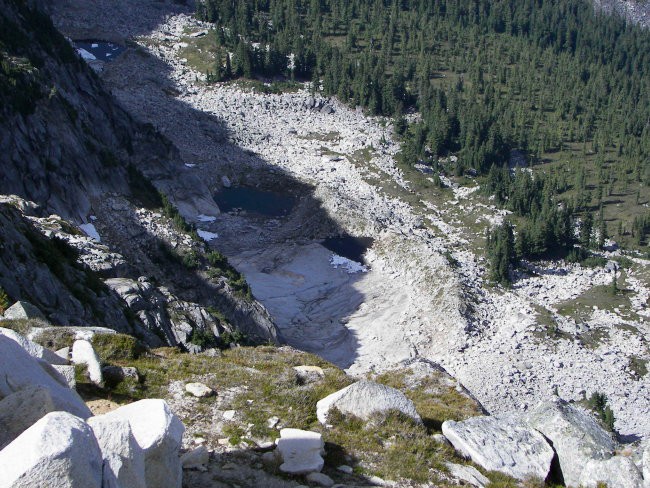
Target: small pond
{"type": "Point", "coordinates": [254, 201]}
{"type": "Point", "coordinates": [101, 50]}
{"type": "Point", "coordinates": [348, 246]}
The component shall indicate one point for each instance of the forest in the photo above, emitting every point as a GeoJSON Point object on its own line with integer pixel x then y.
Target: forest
{"type": "Point", "coordinates": [553, 80]}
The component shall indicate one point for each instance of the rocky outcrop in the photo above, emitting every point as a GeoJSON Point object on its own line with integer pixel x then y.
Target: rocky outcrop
{"type": "Point", "coordinates": [58, 451]}
{"type": "Point", "coordinates": [301, 451]}
{"type": "Point", "coordinates": [503, 444]}
{"type": "Point", "coordinates": [44, 271]}
{"type": "Point", "coordinates": [576, 437]}
{"type": "Point", "coordinates": [18, 370]}
{"type": "Point", "coordinates": [67, 145]}
{"type": "Point", "coordinates": [365, 398]}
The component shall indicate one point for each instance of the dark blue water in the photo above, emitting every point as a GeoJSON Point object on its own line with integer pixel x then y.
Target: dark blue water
{"type": "Point", "coordinates": [349, 247]}
{"type": "Point", "coordinates": [253, 201]}
{"type": "Point", "coordinates": [102, 50]}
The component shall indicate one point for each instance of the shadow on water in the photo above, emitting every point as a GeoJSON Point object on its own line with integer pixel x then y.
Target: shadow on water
{"type": "Point", "coordinates": [252, 200]}
{"type": "Point", "coordinates": [279, 248]}
{"type": "Point", "coordinates": [349, 246]}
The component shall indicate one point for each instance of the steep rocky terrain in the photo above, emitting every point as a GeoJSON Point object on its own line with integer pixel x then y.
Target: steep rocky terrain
{"type": "Point", "coordinates": [69, 148]}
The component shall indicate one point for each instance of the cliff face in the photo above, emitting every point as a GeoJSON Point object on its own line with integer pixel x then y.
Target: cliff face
{"type": "Point", "coordinates": [63, 141]}
{"type": "Point", "coordinates": [68, 146]}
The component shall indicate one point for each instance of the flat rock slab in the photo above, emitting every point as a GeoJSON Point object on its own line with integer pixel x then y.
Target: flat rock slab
{"type": "Point", "coordinates": [576, 436]}
{"type": "Point", "coordinates": [468, 474]}
{"type": "Point", "coordinates": [58, 451]}
{"type": "Point", "coordinates": [501, 443]}
{"type": "Point", "coordinates": [615, 472]}
{"type": "Point", "coordinates": [365, 398]}
{"type": "Point", "coordinates": [301, 451]}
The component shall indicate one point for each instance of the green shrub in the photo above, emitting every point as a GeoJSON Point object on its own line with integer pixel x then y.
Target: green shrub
{"type": "Point", "coordinates": [191, 259]}
{"type": "Point", "coordinates": [203, 338]}
{"type": "Point", "coordinates": [116, 347]}
{"type": "Point", "coordinates": [598, 403]}
{"type": "Point", "coordinates": [4, 301]}
{"type": "Point", "coordinates": [55, 338]}
{"type": "Point", "coordinates": [23, 326]}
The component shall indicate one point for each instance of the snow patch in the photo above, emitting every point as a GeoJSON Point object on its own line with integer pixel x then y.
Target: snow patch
{"type": "Point", "coordinates": [205, 235]}
{"type": "Point", "coordinates": [90, 231]}
{"type": "Point", "coordinates": [206, 218]}
{"type": "Point", "coordinates": [86, 56]}
{"type": "Point", "coordinates": [190, 165]}
{"type": "Point", "coordinates": [349, 265]}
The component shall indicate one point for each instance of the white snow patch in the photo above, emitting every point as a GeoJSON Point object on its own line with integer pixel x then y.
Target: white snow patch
{"type": "Point", "coordinates": [86, 55]}
{"type": "Point", "coordinates": [349, 265]}
{"type": "Point", "coordinates": [90, 231]}
{"type": "Point", "coordinates": [94, 45]}
{"type": "Point", "coordinates": [205, 235]}
{"type": "Point", "coordinates": [93, 218]}
{"type": "Point", "coordinates": [206, 218]}
{"type": "Point", "coordinates": [190, 165]}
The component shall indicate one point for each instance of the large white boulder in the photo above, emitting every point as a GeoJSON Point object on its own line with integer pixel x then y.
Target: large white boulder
{"type": "Point", "coordinates": [123, 457]}
{"type": "Point", "coordinates": [58, 451]}
{"type": "Point", "coordinates": [33, 349]}
{"type": "Point", "coordinates": [22, 409]}
{"type": "Point", "coordinates": [301, 451]}
{"type": "Point", "coordinates": [576, 436]}
{"type": "Point", "coordinates": [84, 353]}
{"type": "Point", "coordinates": [615, 472]}
{"type": "Point", "coordinates": [159, 433]}
{"type": "Point", "coordinates": [22, 310]}
{"type": "Point", "coordinates": [364, 398]}
{"type": "Point", "coordinates": [501, 443]}
{"type": "Point", "coordinates": [19, 370]}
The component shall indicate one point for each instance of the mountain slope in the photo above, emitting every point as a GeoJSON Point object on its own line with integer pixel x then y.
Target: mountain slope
{"type": "Point", "coordinates": [70, 148]}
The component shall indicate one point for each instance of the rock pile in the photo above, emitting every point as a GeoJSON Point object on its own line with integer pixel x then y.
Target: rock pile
{"type": "Point", "coordinates": [48, 436]}
{"type": "Point", "coordinates": [525, 446]}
